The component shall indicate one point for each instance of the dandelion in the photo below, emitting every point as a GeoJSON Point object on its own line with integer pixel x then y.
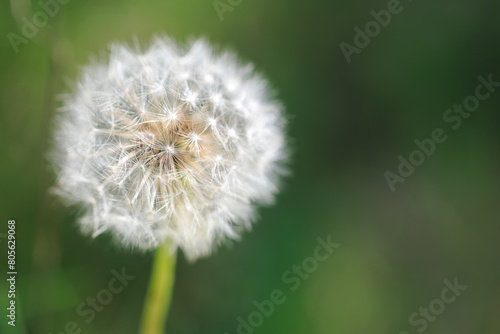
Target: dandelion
{"type": "Point", "coordinates": [169, 148]}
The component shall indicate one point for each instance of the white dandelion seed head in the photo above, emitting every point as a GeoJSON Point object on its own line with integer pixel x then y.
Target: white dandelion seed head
{"type": "Point", "coordinates": [174, 144]}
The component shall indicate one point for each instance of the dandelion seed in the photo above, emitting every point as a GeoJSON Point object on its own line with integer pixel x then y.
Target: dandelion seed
{"type": "Point", "coordinates": [182, 144]}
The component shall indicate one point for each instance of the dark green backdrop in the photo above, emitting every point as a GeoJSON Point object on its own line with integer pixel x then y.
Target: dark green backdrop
{"type": "Point", "coordinates": [348, 124]}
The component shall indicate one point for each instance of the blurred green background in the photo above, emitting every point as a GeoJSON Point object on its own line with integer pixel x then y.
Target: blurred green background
{"type": "Point", "coordinates": [348, 123]}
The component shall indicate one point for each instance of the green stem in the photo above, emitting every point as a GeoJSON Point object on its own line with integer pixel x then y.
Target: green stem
{"type": "Point", "coordinates": [159, 292]}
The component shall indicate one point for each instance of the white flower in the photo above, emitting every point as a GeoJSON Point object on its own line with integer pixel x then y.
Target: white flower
{"type": "Point", "coordinates": [171, 144]}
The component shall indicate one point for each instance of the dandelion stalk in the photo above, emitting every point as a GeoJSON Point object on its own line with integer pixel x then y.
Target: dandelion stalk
{"type": "Point", "coordinates": [159, 293]}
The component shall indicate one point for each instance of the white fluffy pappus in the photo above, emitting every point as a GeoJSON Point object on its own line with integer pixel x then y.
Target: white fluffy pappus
{"type": "Point", "coordinates": [173, 144]}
